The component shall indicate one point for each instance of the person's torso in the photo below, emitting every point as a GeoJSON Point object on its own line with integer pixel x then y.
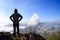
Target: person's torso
{"type": "Point", "coordinates": [16, 18]}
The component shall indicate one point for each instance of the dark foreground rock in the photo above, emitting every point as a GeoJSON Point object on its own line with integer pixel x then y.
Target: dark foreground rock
{"type": "Point", "coordinates": [30, 36]}
{"type": "Point", "coordinates": [5, 36]}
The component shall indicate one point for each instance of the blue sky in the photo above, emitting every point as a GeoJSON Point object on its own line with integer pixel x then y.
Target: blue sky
{"type": "Point", "coordinates": [45, 9]}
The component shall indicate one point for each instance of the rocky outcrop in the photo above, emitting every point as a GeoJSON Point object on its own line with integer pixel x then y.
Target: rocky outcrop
{"type": "Point", "coordinates": [5, 36]}
{"type": "Point", "coordinates": [30, 36]}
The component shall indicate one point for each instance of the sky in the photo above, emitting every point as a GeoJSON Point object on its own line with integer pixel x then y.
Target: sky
{"type": "Point", "coordinates": [31, 10]}
{"type": "Point", "coordinates": [46, 9]}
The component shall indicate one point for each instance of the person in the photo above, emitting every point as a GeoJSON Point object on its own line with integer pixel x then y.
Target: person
{"type": "Point", "coordinates": [16, 18]}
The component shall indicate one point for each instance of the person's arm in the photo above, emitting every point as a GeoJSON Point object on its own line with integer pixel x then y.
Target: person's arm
{"type": "Point", "coordinates": [20, 17]}
{"type": "Point", "coordinates": [11, 18]}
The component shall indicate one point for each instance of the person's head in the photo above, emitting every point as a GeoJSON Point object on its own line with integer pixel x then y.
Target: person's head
{"type": "Point", "coordinates": [15, 11]}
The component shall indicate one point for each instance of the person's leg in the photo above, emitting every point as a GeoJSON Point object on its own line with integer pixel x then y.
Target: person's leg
{"type": "Point", "coordinates": [18, 30]}
{"type": "Point", "coordinates": [14, 30]}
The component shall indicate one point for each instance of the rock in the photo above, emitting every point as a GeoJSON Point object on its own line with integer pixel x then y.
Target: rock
{"type": "Point", "coordinates": [5, 36]}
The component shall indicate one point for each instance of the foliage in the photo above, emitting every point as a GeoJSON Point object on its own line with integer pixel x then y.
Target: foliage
{"type": "Point", "coordinates": [54, 36]}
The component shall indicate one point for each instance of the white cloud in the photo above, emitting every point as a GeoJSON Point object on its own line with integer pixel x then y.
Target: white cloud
{"type": "Point", "coordinates": [4, 21]}
{"type": "Point", "coordinates": [3, 18]}
{"type": "Point", "coordinates": [34, 19]}
{"type": "Point", "coordinates": [4, 28]}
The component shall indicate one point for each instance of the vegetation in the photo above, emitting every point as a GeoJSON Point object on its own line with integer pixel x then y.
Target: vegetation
{"type": "Point", "coordinates": [54, 36]}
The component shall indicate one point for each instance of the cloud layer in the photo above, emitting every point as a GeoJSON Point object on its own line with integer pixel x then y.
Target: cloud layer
{"type": "Point", "coordinates": [34, 19]}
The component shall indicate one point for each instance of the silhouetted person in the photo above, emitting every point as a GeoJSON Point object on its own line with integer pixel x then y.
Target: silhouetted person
{"type": "Point", "coordinates": [15, 18]}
